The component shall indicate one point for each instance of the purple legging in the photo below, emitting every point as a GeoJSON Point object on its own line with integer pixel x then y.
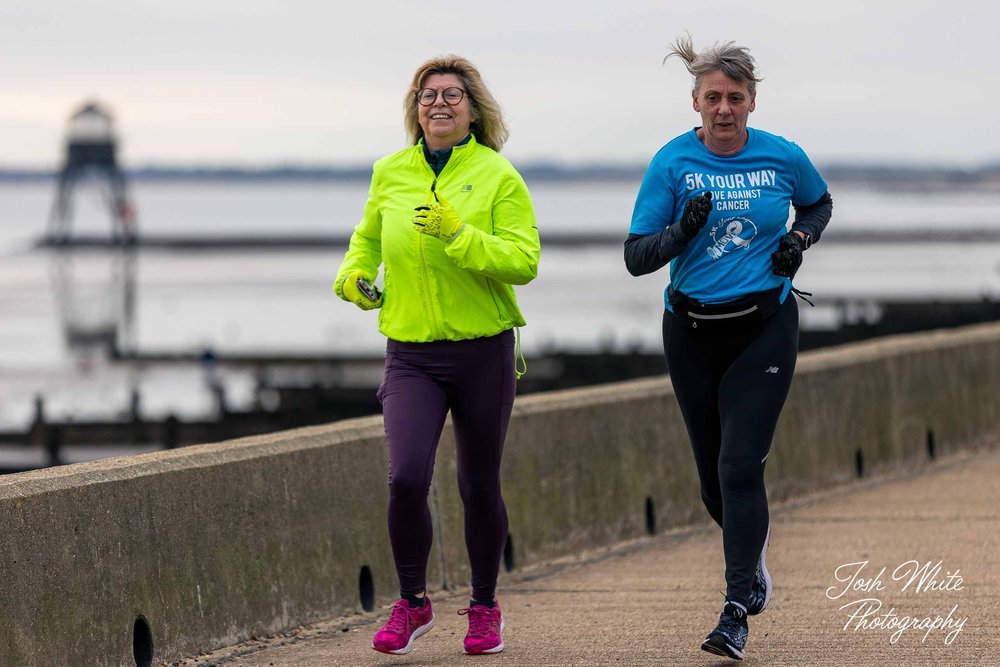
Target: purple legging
{"type": "Point", "coordinates": [475, 380]}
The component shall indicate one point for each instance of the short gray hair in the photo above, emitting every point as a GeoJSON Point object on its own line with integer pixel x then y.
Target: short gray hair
{"type": "Point", "coordinates": [733, 61]}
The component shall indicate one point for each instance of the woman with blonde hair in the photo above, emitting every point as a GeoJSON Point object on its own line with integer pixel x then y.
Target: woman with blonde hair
{"type": "Point", "coordinates": [452, 223]}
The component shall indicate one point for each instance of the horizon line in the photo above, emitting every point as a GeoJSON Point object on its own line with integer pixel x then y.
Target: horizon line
{"type": "Point", "coordinates": [555, 168]}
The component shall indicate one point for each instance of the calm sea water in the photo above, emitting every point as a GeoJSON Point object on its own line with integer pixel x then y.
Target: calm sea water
{"type": "Point", "coordinates": [279, 302]}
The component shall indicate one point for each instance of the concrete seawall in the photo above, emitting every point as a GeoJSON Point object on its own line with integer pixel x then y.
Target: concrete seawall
{"type": "Point", "coordinates": [143, 559]}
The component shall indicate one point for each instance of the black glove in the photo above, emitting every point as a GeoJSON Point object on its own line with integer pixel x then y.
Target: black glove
{"type": "Point", "coordinates": [696, 214]}
{"type": "Point", "coordinates": [788, 257]}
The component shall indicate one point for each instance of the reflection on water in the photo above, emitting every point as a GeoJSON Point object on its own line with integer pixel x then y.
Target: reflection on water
{"type": "Point", "coordinates": [96, 300]}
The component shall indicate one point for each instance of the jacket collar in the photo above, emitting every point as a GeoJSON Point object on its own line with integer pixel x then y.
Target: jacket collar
{"type": "Point", "coordinates": [458, 151]}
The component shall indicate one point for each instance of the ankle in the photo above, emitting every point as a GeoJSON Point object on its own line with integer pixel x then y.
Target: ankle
{"type": "Point", "coordinates": [414, 600]}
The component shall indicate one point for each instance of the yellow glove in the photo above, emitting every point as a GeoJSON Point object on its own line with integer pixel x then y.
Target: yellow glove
{"type": "Point", "coordinates": [354, 288]}
{"type": "Point", "coordinates": [437, 218]}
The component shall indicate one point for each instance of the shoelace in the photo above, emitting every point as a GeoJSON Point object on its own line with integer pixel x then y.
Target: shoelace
{"type": "Point", "coordinates": [731, 622]}
{"type": "Point", "coordinates": [480, 620]}
{"type": "Point", "coordinates": [399, 620]}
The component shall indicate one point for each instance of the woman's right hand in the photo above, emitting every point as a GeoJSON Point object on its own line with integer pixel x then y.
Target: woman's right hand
{"type": "Point", "coordinates": [353, 292]}
{"type": "Point", "coordinates": [696, 214]}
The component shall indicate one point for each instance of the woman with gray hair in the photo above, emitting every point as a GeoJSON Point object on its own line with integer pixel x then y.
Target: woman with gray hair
{"type": "Point", "coordinates": [714, 205]}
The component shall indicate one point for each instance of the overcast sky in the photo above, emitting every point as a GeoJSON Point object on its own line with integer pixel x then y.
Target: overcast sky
{"type": "Point", "coordinates": [226, 81]}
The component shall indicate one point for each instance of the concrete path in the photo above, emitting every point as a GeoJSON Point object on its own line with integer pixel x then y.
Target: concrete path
{"type": "Point", "coordinates": [651, 602]}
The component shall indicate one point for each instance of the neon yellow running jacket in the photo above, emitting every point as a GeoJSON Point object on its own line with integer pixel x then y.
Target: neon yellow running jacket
{"type": "Point", "coordinates": [454, 290]}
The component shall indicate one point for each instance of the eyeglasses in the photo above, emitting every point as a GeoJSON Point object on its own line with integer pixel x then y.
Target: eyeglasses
{"type": "Point", "coordinates": [451, 96]}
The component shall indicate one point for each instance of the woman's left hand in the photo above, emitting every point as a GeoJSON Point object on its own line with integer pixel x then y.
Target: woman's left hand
{"type": "Point", "coordinates": [437, 218]}
{"type": "Point", "coordinates": [788, 257]}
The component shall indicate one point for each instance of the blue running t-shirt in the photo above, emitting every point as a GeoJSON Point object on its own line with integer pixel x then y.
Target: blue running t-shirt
{"type": "Point", "coordinates": [751, 193]}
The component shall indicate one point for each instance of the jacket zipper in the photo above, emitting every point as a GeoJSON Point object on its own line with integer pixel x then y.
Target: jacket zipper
{"type": "Point", "coordinates": [424, 273]}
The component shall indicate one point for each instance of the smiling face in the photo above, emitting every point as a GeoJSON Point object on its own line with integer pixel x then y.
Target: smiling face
{"type": "Point", "coordinates": [444, 125]}
{"type": "Point", "coordinates": [724, 105]}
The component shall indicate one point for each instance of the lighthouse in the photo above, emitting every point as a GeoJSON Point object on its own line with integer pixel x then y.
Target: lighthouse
{"type": "Point", "coordinates": [95, 292]}
{"type": "Point", "coordinates": [91, 152]}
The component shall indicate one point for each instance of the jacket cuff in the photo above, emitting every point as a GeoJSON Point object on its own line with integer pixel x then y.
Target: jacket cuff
{"type": "Point", "coordinates": [455, 235]}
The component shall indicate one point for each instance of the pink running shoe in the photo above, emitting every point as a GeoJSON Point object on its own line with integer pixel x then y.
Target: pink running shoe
{"type": "Point", "coordinates": [485, 629]}
{"type": "Point", "coordinates": [405, 624]}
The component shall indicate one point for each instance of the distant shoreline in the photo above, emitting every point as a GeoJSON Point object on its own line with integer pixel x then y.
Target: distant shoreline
{"type": "Point", "coordinates": [905, 177]}
{"type": "Point", "coordinates": [278, 242]}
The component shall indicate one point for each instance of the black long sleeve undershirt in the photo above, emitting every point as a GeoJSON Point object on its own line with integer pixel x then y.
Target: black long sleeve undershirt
{"type": "Point", "coordinates": [648, 253]}
{"type": "Point", "coordinates": [812, 219]}
{"type": "Point", "coordinates": [645, 254]}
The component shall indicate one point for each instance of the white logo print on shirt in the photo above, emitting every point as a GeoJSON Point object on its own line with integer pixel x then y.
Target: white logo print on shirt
{"type": "Point", "coordinates": [739, 233]}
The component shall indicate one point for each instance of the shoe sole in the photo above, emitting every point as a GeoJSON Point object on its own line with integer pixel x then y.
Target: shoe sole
{"type": "Point", "coordinates": [721, 647]}
{"type": "Point", "coordinates": [495, 649]}
{"type": "Point", "coordinates": [768, 586]}
{"type": "Point", "coordinates": [422, 630]}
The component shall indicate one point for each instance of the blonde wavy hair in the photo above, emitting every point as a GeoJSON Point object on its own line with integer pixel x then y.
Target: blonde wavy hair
{"type": "Point", "coordinates": [487, 117]}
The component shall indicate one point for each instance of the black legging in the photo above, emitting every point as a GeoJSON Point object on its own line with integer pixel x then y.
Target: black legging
{"type": "Point", "coordinates": [731, 386]}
